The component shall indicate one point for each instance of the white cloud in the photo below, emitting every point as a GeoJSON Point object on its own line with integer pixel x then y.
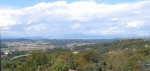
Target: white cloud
{"type": "Point", "coordinates": [36, 28]}
{"type": "Point", "coordinates": [143, 34]}
{"type": "Point", "coordinates": [83, 17]}
{"type": "Point", "coordinates": [6, 18]}
{"type": "Point", "coordinates": [104, 31]}
{"type": "Point", "coordinates": [135, 24]}
{"type": "Point", "coordinates": [76, 26]}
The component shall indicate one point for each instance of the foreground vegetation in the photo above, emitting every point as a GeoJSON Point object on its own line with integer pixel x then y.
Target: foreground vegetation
{"type": "Point", "coordinates": [124, 55]}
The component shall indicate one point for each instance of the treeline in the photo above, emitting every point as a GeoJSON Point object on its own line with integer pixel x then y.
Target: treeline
{"type": "Point", "coordinates": [115, 56]}
{"type": "Point", "coordinates": [118, 44]}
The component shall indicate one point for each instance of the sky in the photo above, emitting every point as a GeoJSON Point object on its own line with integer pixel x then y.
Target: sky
{"type": "Point", "coordinates": [75, 18]}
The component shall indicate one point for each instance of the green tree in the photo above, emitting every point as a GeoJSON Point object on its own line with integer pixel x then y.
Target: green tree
{"type": "Point", "coordinates": [91, 56]}
{"type": "Point", "coordinates": [59, 65]}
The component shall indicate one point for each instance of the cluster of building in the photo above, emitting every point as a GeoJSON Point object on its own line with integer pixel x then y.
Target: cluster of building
{"type": "Point", "coordinates": [23, 46]}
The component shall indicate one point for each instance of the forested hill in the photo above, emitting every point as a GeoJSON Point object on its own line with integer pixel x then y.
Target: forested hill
{"type": "Point", "coordinates": [121, 55]}
{"type": "Point", "coordinates": [118, 44]}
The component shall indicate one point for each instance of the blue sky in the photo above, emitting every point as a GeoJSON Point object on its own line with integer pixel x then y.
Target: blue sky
{"type": "Point", "coordinates": [75, 18]}
{"type": "Point", "coordinates": [26, 3]}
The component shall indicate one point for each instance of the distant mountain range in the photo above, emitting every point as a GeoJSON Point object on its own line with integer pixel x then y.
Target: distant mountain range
{"type": "Point", "coordinates": [92, 37]}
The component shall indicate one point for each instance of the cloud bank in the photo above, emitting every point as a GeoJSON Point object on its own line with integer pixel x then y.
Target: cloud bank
{"type": "Point", "coordinates": [86, 18]}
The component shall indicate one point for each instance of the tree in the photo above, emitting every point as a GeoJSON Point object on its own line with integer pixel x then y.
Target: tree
{"type": "Point", "coordinates": [91, 56]}
{"type": "Point", "coordinates": [59, 65]}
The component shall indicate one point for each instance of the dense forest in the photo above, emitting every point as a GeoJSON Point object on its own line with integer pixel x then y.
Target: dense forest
{"type": "Point", "coordinates": [120, 55]}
